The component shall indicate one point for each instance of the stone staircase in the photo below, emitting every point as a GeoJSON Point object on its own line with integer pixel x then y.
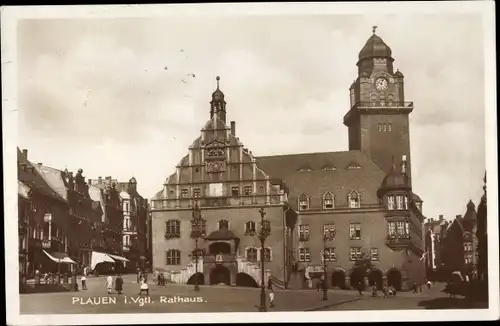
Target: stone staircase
{"type": "Point", "coordinates": [183, 275]}
{"type": "Point", "coordinates": [253, 269]}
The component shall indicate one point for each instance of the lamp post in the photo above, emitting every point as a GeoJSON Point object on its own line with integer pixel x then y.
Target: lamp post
{"type": "Point", "coordinates": [196, 232]}
{"type": "Point", "coordinates": [327, 236]}
{"type": "Point", "coordinates": [263, 233]}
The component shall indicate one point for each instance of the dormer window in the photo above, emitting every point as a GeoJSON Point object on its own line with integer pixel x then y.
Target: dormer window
{"type": "Point", "coordinates": [303, 202]}
{"type": "Point", "coordinates": [305, 169]}
{"type": "Point", "coordinates": [353, 166]}
{"type": "Point", "coordinates": [354, 200]}
{"type": "Point", "coordinates": [223, 224]}
{"type": "Point", "coordinates": [328, 201]}
{"type": "Point", "coordinates": [329, 168]}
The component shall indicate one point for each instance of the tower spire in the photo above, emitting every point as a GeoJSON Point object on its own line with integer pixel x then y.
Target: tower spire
{"type": "Point", "coordinates": [374, 28]}
{"type": "Point", "coordinates": [218, 105]}
{"type": "Point", "coordinates": [217, 79]}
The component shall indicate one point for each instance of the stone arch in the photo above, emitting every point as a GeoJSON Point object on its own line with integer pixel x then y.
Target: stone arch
{"type": "Point", "coordinates": [376, 278]}
{"type": "Point", "coordinates": [220, 274]}
{"type": "Point", "coordinates": [243, 279]}
{"type": "Point", "coordinates": [394, 278]}
{"type": "Point", "coordinates": [197, 276]}
{"type": "Point", "coordinates": [339, 278]}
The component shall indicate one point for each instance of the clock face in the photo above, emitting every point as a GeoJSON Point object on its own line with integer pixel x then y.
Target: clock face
{"type": "Point", "coordinates": [381, 84]}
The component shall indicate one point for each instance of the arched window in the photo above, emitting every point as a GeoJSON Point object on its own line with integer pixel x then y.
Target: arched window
{"type": "Point", "coordinates": [382, 100]}
{"type": "Point", "coordinates": [250, 228]}
{"type": "Point", "coordinates": [303, 202]}
{"type": "Point", "coordinates": [251, 254]}
{"type": "Point", "coordinates": [328, 201]}
{"type": "Point", "coordinates": [172, 229]}
{"type": "Point", "coordinates": [223, 224]}
{"type": "Point", "coordinates": [173, 257]}
{"type": "Point", "coordinates": [354, 200]}
{"type": "Point", "coordinates": [266, 254]}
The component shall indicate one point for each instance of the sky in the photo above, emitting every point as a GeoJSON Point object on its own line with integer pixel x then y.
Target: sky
{"type": "Point", "coordinates": [113, 96]}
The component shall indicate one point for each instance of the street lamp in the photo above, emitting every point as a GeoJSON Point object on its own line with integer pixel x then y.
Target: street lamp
{"type": "Point", "coordinates": [327, 236]}
{"type": "Point", "coordinates": [196, 233]}
{"type": "Point", "coordinates": [263, 233]}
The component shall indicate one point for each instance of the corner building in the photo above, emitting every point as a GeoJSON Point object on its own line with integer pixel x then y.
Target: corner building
{"type": "Point", "coordinates": [363, 196]}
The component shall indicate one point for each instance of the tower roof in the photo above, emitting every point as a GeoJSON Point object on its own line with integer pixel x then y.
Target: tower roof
{"type": "Point", "coordinates": [394, 180]}
{"type": "Point", "coordinates": [217, 95]}
{"type": "Point", "coordinates": [375, 47]}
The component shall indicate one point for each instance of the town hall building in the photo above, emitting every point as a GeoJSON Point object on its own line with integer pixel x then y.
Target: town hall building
{"type": "Point", "coordinates": [361, 198]}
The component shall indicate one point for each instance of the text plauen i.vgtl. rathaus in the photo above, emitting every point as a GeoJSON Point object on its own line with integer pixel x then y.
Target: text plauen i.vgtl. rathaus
{"type": "Point", "coordinates": [363, 197]}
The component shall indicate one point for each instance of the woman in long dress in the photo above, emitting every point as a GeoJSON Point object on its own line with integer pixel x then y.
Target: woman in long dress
{"type": "Point", "coordinates": [109, 283]}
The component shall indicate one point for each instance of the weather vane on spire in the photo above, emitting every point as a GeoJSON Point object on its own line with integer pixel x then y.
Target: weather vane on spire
{"type": "Point", "coordinates": [217, 78]}
{"type": "Point", "coordinates": [374, 28]}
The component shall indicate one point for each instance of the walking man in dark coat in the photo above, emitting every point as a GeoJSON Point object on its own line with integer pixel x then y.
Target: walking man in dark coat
{"type": "Point", "coordinates": [119, 284]}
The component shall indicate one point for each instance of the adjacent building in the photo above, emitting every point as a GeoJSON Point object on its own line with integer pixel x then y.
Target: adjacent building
{"type": "Point", "coordinates": [363, 197]}
{"type": "Point", "coordinates": [482, 238]}
{"type": "Point", "coordinates": [435, 231]}
{"type": "Point", "coordinates": [460, 244]}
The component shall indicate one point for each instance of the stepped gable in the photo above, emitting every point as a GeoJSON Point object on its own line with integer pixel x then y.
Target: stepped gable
{"type": "Point", "coordinates": [31, 177]}
{"type": "Point", "coordinates": [353, 171]}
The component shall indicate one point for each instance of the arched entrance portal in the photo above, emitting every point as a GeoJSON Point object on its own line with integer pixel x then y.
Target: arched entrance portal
{"type": "Point", "coordinates": [220, 274]}
{"type": "Point", "coordinates": [338, 279]}
{"type": "Point", "coordinates": [219, 248]}
{"type": "Point", "coordinates": [243, 279]}
{"type": "Point", "coordinates": [394, 279]}
{"type": "Point", "coordinates": [199, 276]}
{"type": "Point", "coordinates": [376, 278]}
{"type": "Point", "coordinates": [357, 277]}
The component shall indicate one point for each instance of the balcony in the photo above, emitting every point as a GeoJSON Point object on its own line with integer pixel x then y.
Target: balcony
{"type": "Point", "coordinates": [398, 242]}
{"type": "Point", "coordinates": [219, 259]}
{"type": "Point", "coordinates": [384, 104]}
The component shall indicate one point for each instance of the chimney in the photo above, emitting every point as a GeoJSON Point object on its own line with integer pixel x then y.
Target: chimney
{"type": "Point", "coordinates": [233, 128]}
{"type": "Point", "coordinates": [25, 153]}
{"type": "Point", "coordinates": [100, 180]}
{"type": "Point", "coordinates": [403, 164]}
{"type": "Point", "coordinates": [441, 217]}
{"type": "Point", "coordinates": [458, 216]}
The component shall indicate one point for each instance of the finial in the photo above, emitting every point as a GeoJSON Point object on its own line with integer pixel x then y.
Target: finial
{"type": "Point", "coordinates": [217, 78]}
{"type": "Point", "coordinates": [374, 28]}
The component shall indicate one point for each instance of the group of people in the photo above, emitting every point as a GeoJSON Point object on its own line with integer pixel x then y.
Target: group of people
{"type": "Point", "coordinates": [160, 278]}
{"type": "Point", "coordinates": [116, 284]}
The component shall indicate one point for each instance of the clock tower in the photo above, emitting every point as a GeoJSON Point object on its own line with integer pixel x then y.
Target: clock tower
{"type": "Point", "coordinates": [378, 120]}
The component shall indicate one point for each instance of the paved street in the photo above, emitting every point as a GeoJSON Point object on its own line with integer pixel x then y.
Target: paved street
{"type": "Point", "coordinates": [220, 299]}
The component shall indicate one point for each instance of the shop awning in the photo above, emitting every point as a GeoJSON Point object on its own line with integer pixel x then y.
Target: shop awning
{"type": "Point", "coordinates": [60, 257]}
{"type": "Point", "coordinates": [116, 257]}
{"type": "Point", "coordinates": [99, 257]}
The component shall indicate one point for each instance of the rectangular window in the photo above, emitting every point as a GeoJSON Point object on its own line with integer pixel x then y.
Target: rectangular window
{"type": "Point", "coordinates": [329, 231]}
{"type": "Point", "coordinates": [184, 193]}
{"type": "Point", "coordinates": [328, 203]}
{"type": "Point", "coordinates": [172, 257]}
{"type": "Point", "coordinates": [250, 227]}
{"type": "Point", "coordinates": [235, 191]}
{"type": "Point", "coordinates": [304, 254]}
{"type": "Point", "coordinates": [405, 202]}
{"type": "Point", "coordinates": [251, 254]}
{"type": "Point", "coordinates": [468, 259]}
{"type": "Point", "coordinates": [215, 190]}
{"type": "Point", "coordinates": [355, 231]}
{"type": "Point", "coordinates": [390, 203]}
{"type": "Point", "coordinates": [374, 254]}
{"type": "Point", "coordinates": [328, 254]}
{"type": "Point", "coordinates": [355, 253]}
{"type": "Point", "coordinates": [400, 229]}
{"type": "Point", "coordinates": [399, 202]}
{"type": "Point", "coordinates": [196, 192]}
{"type": "Point", "coordinates": [247, 190]}
{"type": "Point", "coordinates": [354, 201]}
{"type": "Point", "coordinates": [304, 232]}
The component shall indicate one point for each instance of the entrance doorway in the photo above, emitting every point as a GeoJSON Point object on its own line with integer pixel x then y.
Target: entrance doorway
{"type": "Point", "coordinates": [394, 279]}
{"type": "Point", "coordinates": [376, 278]}
{"type": "Point", "coordinates": [338, 279]}
{"type": "Point", "coordinates": [197, 276]}
{"type": "Point", "coordinates": [220, 274]}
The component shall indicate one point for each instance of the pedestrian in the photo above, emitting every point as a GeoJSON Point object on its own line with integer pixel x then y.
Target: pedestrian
{"type": "Point", "coordinates": [429, 285]}
{"type": "Point", "coordinates": [360, 289]}
{"type": "Point", "coordinates": [420, 288]}
{"type": "Point", "coordinates": [271, 298]}
{"type": "Point", "coordinates": [269, 284]}
{"type": "Point", "coordinates": [318, 285]}
{"type": "Point", "coordinates": [385, 290]}
{"type": "Point", "coordinates": [119, 284]}
{"type": "Point", "coordinates": [144, 287]}
{"type": "Point", "coordinates": [84, 282]}
{"type": "Point", "coordinates": [109, 283]}
{"type": "Point", "coordinates": [415, 288]}
{"type": "Point", "coordinates": [85, 271]}
{"type": "Point", "coordinates": [139, 274]}
{"type": "Point", "coordinates": [374, 291]}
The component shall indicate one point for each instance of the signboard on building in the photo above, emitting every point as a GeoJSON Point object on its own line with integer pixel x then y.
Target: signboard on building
{"type": "Point", "coordinates": [314, 269]}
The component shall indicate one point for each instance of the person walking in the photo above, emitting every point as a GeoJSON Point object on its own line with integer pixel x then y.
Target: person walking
{"type": "Point", "coordinates": [428, 285]}
{"type": "Point", "coordinates": [360, 289]}
{"type": "Point", "coordinates": [109, 283]}
{"type": "Point", "coordinates": [84, 282]}
{"type": "Point", "coordinates": [415, 288]}
{"type": "Point", "coordinates": [271, 298]}
{"type": "Point", "coordinates": [385, 290]}
{"type": "Point", "coordinates": [119, 284]}
{"type": "Point", "coordinates": [144, 287]}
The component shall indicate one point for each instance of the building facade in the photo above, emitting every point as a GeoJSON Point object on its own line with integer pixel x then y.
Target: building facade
{"type": "Point", "coordinates": [482, 238]}
{"type": "Point", "coordinates": [434, 245]}
{"type": "Point", "coordinates": [460, 245]}
{"type": "Point", "coordinates": [363, 197]}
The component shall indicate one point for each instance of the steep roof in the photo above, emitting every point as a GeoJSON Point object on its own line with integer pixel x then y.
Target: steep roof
{"type": "Point", "coordinates": [54, 178]}
{"type": "Point", "coordinates": [31, 177]}
{"type": "Point", "coordinates": [353, 171]}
